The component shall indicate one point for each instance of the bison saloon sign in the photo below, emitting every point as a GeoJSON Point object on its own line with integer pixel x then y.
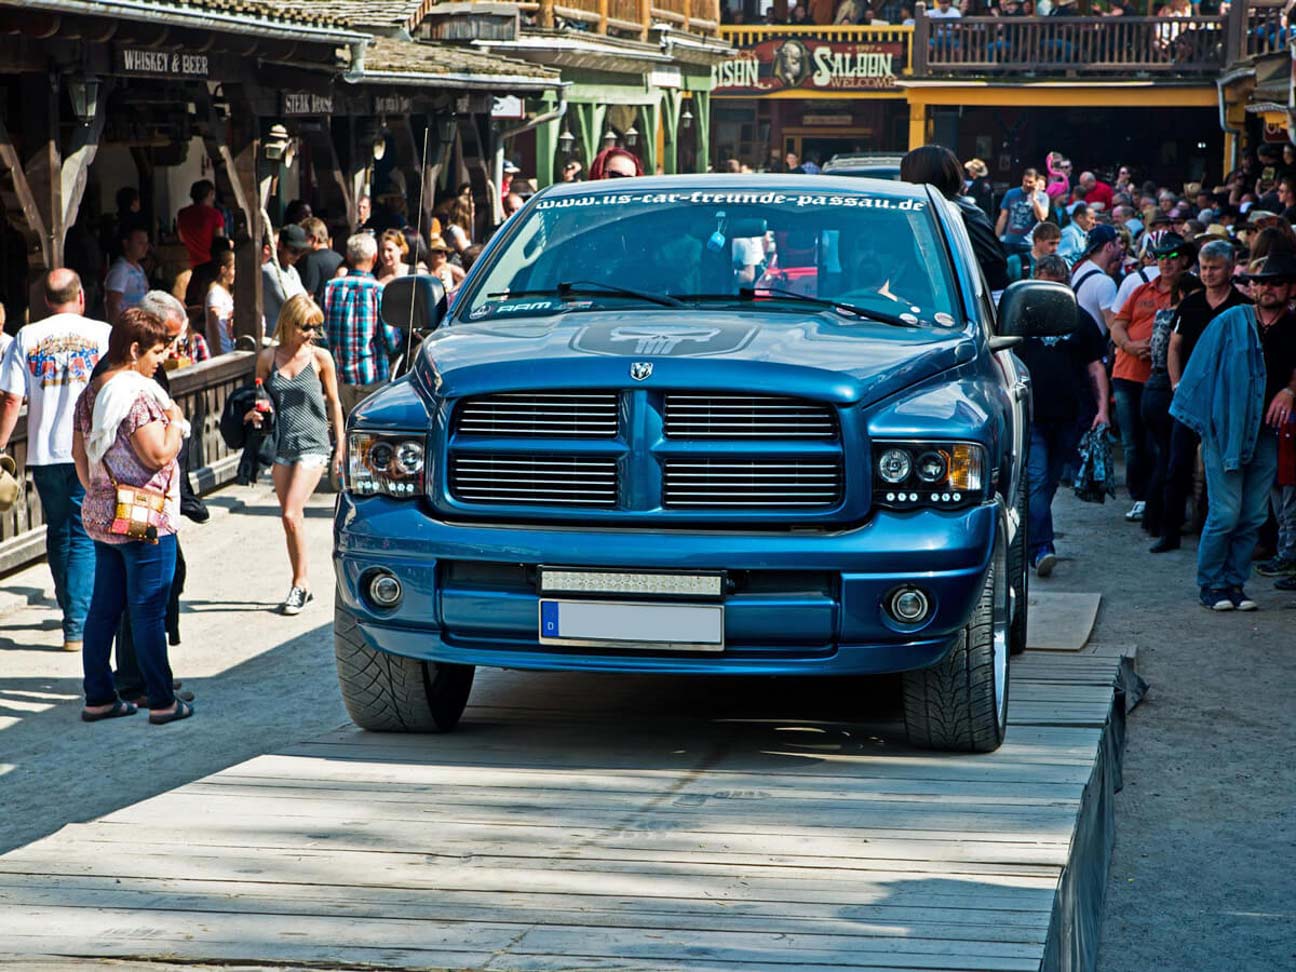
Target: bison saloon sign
{"type": "Point", "coordinates": [797, 64]}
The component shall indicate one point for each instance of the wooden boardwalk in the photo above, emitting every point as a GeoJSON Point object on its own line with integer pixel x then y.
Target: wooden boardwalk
{"type": "Point", "coordinates": [596, 822]}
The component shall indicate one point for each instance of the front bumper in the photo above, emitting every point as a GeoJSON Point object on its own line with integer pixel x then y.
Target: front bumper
{"type": "Point", "coordinates": [806, 602]}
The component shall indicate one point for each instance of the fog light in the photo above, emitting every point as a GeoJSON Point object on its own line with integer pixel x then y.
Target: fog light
{"type": "Point", "coordinates": [385, 590]}
{"type": "Point", "coordinates": [908, 605]}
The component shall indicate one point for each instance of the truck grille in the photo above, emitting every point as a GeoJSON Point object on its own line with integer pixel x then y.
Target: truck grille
{"type": "Point", "coordinates": [560, 414]}
{"type": "Point", "coordinates": [534, 480]}
{"type": "Point", "coordinates": [755, 483]}
{"type": "Point", "coordinates": [747, 417]}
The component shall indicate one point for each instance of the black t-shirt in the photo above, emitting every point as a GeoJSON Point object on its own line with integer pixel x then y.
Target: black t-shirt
{"type": "Point", "coordinates": [1059, 370]}
{"type": "Point", "coordinates": [1195, 313]}
{"type": "Point", "coordinates": [316, 269]}
{"type": "Point", "coordinates": [1279, 343]}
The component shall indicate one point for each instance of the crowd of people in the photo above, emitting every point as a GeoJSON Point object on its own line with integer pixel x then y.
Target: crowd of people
{"type": "Point", "coordinates": [879, 13]}
{"type": "Point", "coordinates": [1187, 338]}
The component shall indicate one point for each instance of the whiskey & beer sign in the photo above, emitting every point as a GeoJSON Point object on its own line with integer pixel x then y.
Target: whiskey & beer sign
{"type": "Point", "coordinates": [807, 64]}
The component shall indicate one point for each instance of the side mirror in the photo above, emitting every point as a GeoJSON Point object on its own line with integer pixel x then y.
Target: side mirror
{"type": "Point", "coordinates": [1036, 308]}
{"type": "Point", "coordinates": [416, 301]}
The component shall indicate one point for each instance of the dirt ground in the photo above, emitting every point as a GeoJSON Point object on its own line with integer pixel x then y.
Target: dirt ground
{"type": "Point", "coordinates": [1202, 877]}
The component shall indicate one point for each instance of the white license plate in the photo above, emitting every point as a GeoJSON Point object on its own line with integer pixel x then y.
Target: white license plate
{"type": "Point", "coordinates": [625, 624]}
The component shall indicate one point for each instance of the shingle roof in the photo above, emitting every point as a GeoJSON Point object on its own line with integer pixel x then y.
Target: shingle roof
{"type": "Point", "coordinates": [385, 14]}
{"type": "Point", "coordinates": [264, 13]}
{"type": "Point", "coordinates": [391, 56]}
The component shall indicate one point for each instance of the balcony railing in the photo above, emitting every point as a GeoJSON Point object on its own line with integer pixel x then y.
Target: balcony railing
{"type": "Point", "coordinates": [1267, 30]}
{"type": "Point", "coordinates": [1071, 46]}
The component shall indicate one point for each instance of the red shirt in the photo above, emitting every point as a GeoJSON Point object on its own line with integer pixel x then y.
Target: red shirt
{"type": "Point", "coordinates": [1100, 193]}
{"type": "Point", "coordinates": [198, 225]}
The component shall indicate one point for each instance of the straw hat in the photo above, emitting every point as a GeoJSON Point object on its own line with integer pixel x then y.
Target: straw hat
{"type": "Point", "coordinates": [976, 168]}
{"type": "Point", "coordinates": [437, 243]}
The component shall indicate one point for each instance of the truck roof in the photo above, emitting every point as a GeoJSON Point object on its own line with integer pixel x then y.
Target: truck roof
{"type": "Point", "coordinates": [746, 182]}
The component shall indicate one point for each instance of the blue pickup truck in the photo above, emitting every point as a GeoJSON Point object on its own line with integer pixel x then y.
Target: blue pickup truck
{"type": "Point", "coordinates": [749, 425]}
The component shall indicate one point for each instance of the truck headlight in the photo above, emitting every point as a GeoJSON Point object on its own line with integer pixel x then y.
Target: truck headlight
{"type": "Point", "coordinates": [907, 475]}
{"type": "Point", "coordinates": [385, 463]}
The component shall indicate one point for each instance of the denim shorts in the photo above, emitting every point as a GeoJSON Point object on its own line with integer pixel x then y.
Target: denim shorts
{"type": "Point", "coordinates": [311, 460]}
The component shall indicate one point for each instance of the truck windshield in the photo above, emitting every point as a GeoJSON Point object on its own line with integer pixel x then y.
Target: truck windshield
{"type": "Point", "coordinates": [879, 253]}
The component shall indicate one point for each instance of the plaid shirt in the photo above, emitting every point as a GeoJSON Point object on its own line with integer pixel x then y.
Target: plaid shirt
{"type": "Point", "coordinates": [361, 343]}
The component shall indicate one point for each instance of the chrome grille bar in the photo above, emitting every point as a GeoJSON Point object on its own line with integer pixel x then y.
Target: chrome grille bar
{"type": "Point", "coordinates": [560, 414]}
{"type": "Point", "coordinates": [747, 417]}
{"type": "Point", "coordinates": [526, 480]}
{"type": "Point", "coordinates": [752, 483]}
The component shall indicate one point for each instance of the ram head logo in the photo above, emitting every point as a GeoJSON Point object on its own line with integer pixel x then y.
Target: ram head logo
{"type": "Point", "coordinates": [640, 370]}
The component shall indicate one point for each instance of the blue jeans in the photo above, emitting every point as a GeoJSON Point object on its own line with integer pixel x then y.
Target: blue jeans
{"type": "Point", "coordinates": [68, 548]}
{"type": "Point", "coordinates": [1051, 446]}
{"type": "Point", "coordinates": [1239, 506]}
{"type": "Point", "coordinates": [1134, 435]}
{"type": "Point", "coordinates": [134, 577]}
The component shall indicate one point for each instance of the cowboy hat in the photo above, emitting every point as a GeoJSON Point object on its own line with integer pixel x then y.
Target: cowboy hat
{"type": "Point", "coordinates": [1276, 266]}
{"type": "Point", "coordinates": [437, 242]}
{"type": "Point", "coordinates": [976, 168]}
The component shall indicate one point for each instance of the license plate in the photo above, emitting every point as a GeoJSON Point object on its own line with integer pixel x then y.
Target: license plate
{"type": "Point", "coordinates": [629, 624]}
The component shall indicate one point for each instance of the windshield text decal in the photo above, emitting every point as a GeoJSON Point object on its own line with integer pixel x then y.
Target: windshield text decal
{"type": "Point", "coordinates": [736, 198]}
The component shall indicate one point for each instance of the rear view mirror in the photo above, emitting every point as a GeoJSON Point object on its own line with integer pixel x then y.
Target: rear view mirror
{"type": "Point", "coordinates": [1037, 308]}
{"type": "Point", "coordinates": [417, 301]}
{"type": "Point", "coordinates": [746, 228]}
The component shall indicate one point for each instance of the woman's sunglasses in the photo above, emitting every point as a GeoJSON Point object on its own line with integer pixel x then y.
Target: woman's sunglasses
{"type": "Point", "coordinates": [311, 328]}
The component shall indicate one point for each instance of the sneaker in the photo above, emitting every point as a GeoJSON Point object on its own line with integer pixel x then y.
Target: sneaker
{"type": "Point", "coordinates": [1216, 600]}
{"type": "Point", "coordinates": [72, 645]}
{"type": "Point", "coordinates": [1276, 567]}
{"type": "Point", "coordinates": [1287, 583]}
{"type": "Point", "coordinates": [1045, 561]}
{"type": "Point", "coordinates": [297, 599]}
{"type": "Point", "coordinates": [1136, 511]}
{"type": "Point", "coordinates": [1165, 545]}
{"type": "Point", "coordinates": [1241, 601]}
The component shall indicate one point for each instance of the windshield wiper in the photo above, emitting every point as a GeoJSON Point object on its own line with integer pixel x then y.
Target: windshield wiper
{"type": "Point", "coordinates": [591, 288]}
{"type": "Point", "coordinates": [752, 293]}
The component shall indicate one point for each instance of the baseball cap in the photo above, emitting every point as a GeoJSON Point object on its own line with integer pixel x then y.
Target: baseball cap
{"type": "Point", "coordinates": [1100, 236]}
{"type": "Point", "coordinates": [294, 237]}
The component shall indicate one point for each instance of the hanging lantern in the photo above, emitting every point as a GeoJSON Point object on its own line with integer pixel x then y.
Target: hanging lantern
{"type": "Point", "coordinates": [84, 95]}
{"type": "Point", "coordinates": [566, 142]}
{"type": "Point", "coordinates": [631, 136]}
{"type": "Point", "coordinates": [686, 116]}
{"type": "Point", "coordinates": [609, 138]}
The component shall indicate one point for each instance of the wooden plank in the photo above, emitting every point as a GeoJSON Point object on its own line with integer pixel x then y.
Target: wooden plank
{"type": "Point", "coordinates": [1061, 621]}
{"type": "Point", "coordinates": [528, 843]}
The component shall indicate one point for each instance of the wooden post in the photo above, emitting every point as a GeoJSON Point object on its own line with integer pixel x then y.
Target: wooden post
{"type": "Point", "coordinates": [670, 122]}
{"type": "Point", "coordinates": [602, 16]}
{"type": "Point", "coordinates": [545, 15]}
{"type": "Point", "coordinates": [645, 18]}
{"type": "Point", "coordinates": [80, 156]}
{"type": "Point", "coordinates": [21, 201]}
{"type": "Point", "coordinates": [921, 41]}
{"type": "Point", "coordinates": [702, 119]}
{"type": "Point", "coordinates": [241, 157]}
{"type": "Point", "coordinates": [1235, 31]}
{"type": "Point", "coordinates": [917, 125]}
{"type": "Point", "coordinates": [44, 163]}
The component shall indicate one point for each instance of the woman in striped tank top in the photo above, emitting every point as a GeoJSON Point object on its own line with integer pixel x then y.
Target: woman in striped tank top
{"type": "Point", "coordinates": [301, 380]}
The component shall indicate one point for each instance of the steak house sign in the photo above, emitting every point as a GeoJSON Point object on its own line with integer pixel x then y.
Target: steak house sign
{"type": "Point", "coordinates": [810, 65]}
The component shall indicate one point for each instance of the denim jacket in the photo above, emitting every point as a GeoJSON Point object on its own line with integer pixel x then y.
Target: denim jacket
{"type": "Point", "coordinates": [1221, 393]}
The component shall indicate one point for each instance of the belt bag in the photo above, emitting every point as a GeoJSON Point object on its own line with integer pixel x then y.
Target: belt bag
{"type": "Point", "coordinates": [138, 511]}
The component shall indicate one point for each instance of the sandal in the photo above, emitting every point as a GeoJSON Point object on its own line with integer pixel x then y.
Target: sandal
{"type": "Point", "coordinates": [183, 710]}
{"type": "Point", "coordinates": [119, 709]}
{"type": "Point", "coordinates": [184, 696]}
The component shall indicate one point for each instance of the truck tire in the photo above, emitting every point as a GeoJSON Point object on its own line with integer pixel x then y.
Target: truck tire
{"type": "Point", "coordinates": [961, 704]}
{"type": "Point", "coordinates": [1019, 572]}
{"type": "Point", "coordinates": [392, 693]}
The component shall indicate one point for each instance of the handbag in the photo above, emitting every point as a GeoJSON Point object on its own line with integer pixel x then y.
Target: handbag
{"type": "Point", "coordinates": [10, 487]}
{"type": "Point", "coordinates": [139, 511]}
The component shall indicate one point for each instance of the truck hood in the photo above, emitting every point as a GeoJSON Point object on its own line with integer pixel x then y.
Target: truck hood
{"type": "Point", "coordinates": [818, 355]}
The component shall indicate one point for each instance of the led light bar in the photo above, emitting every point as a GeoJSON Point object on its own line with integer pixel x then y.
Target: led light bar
{"type": "Point", "coordinates": [619, 582]}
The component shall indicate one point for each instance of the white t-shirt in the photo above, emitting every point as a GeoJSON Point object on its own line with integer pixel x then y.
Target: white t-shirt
{"type": "Point", "coordinates": [1132, 281]}
{"type": "Point", "coordinates": [273, 297]}
{"type": "Point", "coordinates": [50, 363]}
{"type": "Point", "coordinates": [221, 303]}
{"type": "Point", "coordinates": [951, 14]}
{"type": "Point", "coordinates": [129, 280]}
{"type": "Point", "coordinates": [1098, 292]}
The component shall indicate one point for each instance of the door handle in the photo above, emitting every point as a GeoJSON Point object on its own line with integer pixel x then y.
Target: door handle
{"type": "Point", "coordinates": [1021, 390]}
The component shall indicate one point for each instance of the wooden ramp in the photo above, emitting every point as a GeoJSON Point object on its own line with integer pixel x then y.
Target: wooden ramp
{"type": "Point", "coordinates": [611, 823]}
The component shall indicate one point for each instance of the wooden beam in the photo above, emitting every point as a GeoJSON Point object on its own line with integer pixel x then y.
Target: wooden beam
{"type": "Point", "coordinates": [332, 181]}
{"type": "Point", "coordinates": [44, 165]}
{"type": "Point", "coordinates": [35, 232]}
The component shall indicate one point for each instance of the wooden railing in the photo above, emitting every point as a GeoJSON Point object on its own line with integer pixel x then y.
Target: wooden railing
{"type": "Point", "coordinates": [200, 390]}
{"type": "Point", "coordinates": [628, 17]}
{"type": "Point", "coordinates": [1071, 46]}
{"type": "Point", "coordinates": [1267, 31]}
